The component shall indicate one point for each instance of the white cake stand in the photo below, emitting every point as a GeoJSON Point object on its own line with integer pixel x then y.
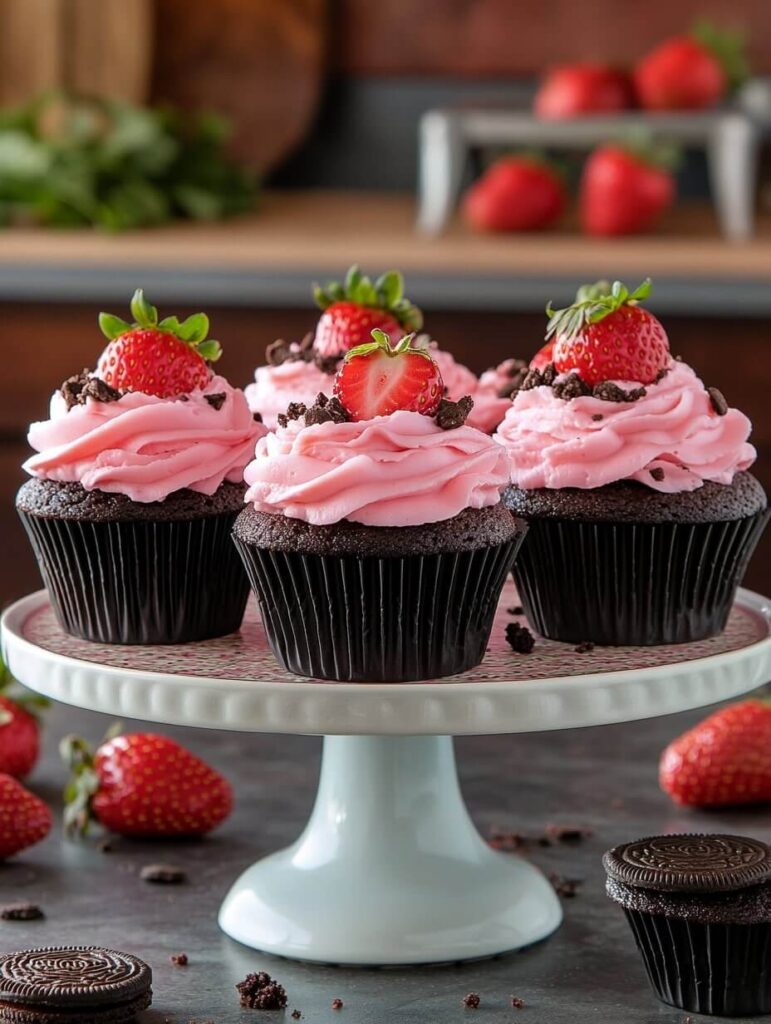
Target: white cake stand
{"type": "Point", "coordinates": [389, 869]}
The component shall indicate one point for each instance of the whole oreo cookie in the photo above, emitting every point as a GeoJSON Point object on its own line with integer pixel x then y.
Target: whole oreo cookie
{"type": "Point", "coordinates": [83, 984]}
{"type": "Point", "coordinates": [690, 863]}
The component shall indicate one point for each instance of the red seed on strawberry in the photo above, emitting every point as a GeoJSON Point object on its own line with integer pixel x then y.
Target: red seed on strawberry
{"type": "Point", "coordinates": [609, 336]}
{"type": "Point", "coordinates": [722, 761]}
{"type": "Point", "coordinates": [24, 818]}
{"type": "Point", "coordinates": [377, 379]}
{"type": "Point", "coordinates": [143, 784]}
{"type": "Point", "coordinates": [163, 358]}
{"type": "Point", "coordinates": [354, 308]}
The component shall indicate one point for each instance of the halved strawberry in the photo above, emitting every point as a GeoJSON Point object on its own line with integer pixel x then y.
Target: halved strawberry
{"type": "Point", "coordinates": [165, 358]}
{"type": "Point", "coordinates": [377, 379]}
{"type": "Point", "coordinates": [606, 335]}
{"type": "Point", "coordinates": [354, 308]}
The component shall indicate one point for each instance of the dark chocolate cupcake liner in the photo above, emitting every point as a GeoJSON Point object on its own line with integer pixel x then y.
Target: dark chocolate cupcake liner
{"type": "Point", "coordinates": [144, 581]}
{"type": "Point", "coordinates": [717, 969]}
{"type": "Point", "coordinates": [636, 584]}
{"type": "Point", "coordinates": [378, 619]}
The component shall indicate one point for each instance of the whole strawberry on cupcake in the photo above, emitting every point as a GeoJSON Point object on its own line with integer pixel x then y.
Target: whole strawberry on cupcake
{"type": "Point", "coordinates": [374, 535]}
{"type": "Point", "coordinates": [137, 480]}
{"type": "Point", "coordinates": [298, 371]}
{"type": "Point", "coordinates": [633, 478]}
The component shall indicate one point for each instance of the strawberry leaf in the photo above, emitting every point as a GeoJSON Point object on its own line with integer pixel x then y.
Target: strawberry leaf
{"type": "Point", "coordinates": [390, 287]}
{"type": "Point", "coordinates": [209, 350]}
{"type": "Point", "coordinates": [592, 305]}
{"type": "Point", "coordinates": [386, 293]}
{"type": "Point", "coordinates": [145, 314]}
{"type": "Point", "coordinates": [112, 326]}
{"type": "Point", "coordinates": [194, 329]}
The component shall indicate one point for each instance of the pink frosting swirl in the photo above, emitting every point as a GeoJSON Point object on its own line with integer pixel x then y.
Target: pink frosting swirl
{"type": "Point", "coordinates": [588, 442]}
{"type": "Point", "coordinates": [457, 378]}
{"type": "Point", "coordinates": [489, 408]}
{"type": "Point", "coordinates": [275, 387]}
{"type": "Point", "coordinates": [397, 470]}
{"type": "Point", "coordinates": [147, 447]}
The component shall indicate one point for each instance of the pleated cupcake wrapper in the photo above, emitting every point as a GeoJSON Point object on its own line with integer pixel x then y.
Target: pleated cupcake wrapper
{"type": "Point", "coordinates": [624, 583]}
{"type": "Point", "coordinates": [378, 619]}
{"type": "Point", "coordinates": [718, 969]}
{"type": "Point", "coordinates": [142, 582]}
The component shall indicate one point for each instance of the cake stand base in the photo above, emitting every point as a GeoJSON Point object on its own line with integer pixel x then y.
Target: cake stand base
{"type": "Point", "coordinates": [390, 869]}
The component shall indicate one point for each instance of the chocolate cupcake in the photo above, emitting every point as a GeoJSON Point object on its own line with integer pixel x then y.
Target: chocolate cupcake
{"type": "Point", "coordinates": [136, 484]}
{"type": "Point", "coordinates": [642, 514]}
{"type": "Point", "coordinates": [375, 539]}
{"type": "Point", "coordinates": [699, 907]}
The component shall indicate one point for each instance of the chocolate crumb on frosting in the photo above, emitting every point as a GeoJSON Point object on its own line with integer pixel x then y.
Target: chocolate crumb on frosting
{"type": "Point", "coordinates": [519, 638]}
{"type": "Point", "coordinates": [328, 364]}
{"type": "Point", "coordinates": [517, 371]}
{"type": "Point", "coordinates": [260, 992]}
{"type": "Point", "coordinates": [280, 352]}
{"type": "Point", "coordinates": [607, 391]}
{"type": "Point", "coordinates": [549, 374]}
{"type": "Point", "coordinates": [326, 410]}
{"type": "Point", "coordinates": [217, 400]}
{"type": "Point", "coordinates": [573, 386]}
{"type": "Point", "coordinates": [717, 400]}
{"type": "Point", "coordinates": [657, 473]}
{"type": "Point", "coordinates": [76, 389]}
{"type": "Point", "coordinates": [257, 417]}
{"type": "Point", "coordinates": [597, 416]}
{"type": "Point", "coordinates": [532, 380]}
{"type": "Point", "coordinates": [451, 415]}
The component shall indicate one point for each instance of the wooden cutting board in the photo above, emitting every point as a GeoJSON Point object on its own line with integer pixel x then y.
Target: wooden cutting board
{"type": "Point", "coordinates": [260, 62]}
{"type": "Point", "coordinates": [99, 47]}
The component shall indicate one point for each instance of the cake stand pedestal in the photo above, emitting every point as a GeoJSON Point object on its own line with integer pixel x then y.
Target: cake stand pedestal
{"type": "Point", "coordinates": [390, 869]}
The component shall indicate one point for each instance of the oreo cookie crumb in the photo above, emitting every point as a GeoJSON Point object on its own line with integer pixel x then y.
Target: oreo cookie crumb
{"type": "Point", "coordinates": [607, 391]}
{"type": "Point", "coordinates": [597, 416]}
{"type": "Point", "coordinates": [573, 386]}
{"type": "Point", "coordinates": [584, 648]}
{"type": "Point", "coordinates": [179, 959]}
{"type": "Point", "coordinates": [217, 400]}
{"type": "Point", "coordinates": [517, 1003]}
{"type": "Point", "coordinates": [549, 374]}
{"type": "Point", "coordinates": [532, 380]}
{"type": "Point", "coordinates": [567, 833]}
{"type": "Point", "coordinates": [22, 912]}
{"type": "Point", "coordinates": [76, 389]}
{"type": "Point", "coordinates": [564, 887]}
{"type": "Point", "coordinates": [257, 417]}
{"type": "Point", "coordinates": [293, 412]}
{"type": "Point", "coordinates": [516, 609]}
{"type": "Point", "coordinates": [296, 1015]}
{"type": "Point", "coordinates": [325, 410]}
{"type": "Point", "coordinates": [519, 638]}
{"type": "Point", "coordinates": [260, 992]}
{"type": "Point", "coordinates": [280, 351]}
{"type": "Point", "coordinates": [717, 401]}
{"type": "Point", "coordinates": [517, 370]}
{"type": "Point", "coordinates": [451, 415]}
{"type": "Point", "coordinates": [328, 364]}
{"type": "Point", "coordinates": [163, 874]}
{"type": "Point", "coordinates": [106, 846]}
{"type": "Point", "coordinates": [510, 842]}
{"type": "Point", "coordinates": [661, 375]}
{"type": "Point", "coordinates": [337, 1004]}
{"type": "Point", "coordinates": [471, 1001]}
{"type": "Point", "coordinates": [657, 473]}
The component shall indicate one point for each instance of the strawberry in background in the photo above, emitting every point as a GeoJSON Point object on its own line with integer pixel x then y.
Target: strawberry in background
{"type": "Point", "coordinates": [24, 818]}
{"type": "Point", "coordinates": [573, 90]}
{"type": "Point", "coordinates": [691, 72]}
{"type": "Point", "coordinates": [19, 727]}
{"type": "Point", "coordinates": [516, 193]}
{"type": "Point", "coordinates": [625, 191]}
{"type": "Point", "coordinates": [724, 760]}
{"type": "Point", "coordinates": [142, 785]}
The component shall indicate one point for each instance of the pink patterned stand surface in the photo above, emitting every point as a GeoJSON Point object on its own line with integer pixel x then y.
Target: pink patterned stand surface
{"type": "Point", "coordinates": [246, 656]}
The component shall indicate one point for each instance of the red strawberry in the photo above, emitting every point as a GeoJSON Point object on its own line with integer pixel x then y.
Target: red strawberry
{"type": "Point", "coordinates": [691, 72]}
{"type": "Point", "coordinates": [354, 308]}
{"type": "Point", "coordinates": [726, 759]}
{"type": "Point", "coordinates": [24, 818]}
{"type": "Point", "coordinates": [516, 193]}
{"type": "Point", "coordinates": [609, 336]}
{"type": "Point", "coordinates": [377, 379]}
{"type": "Point", "coordinates": [576, 89]}
{"type": "Point", "coordinates": [543, 357]}
{"type": "Point", "coordinates": [143, 785]}
{"type": "Point", "coordinates": [165, 358]}
{"type": "Point", "coordinates": [19, 730]}
{"type": "Point", "coordinates": [623, 192]}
